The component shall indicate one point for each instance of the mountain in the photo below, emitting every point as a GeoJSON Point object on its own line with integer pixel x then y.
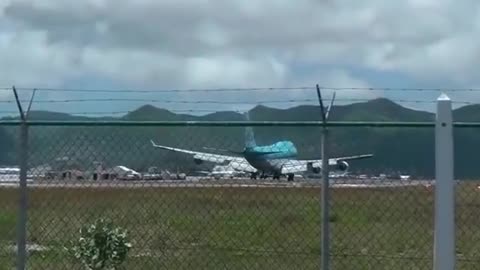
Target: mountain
{"type": "Point", "coordinates": [407, 150]}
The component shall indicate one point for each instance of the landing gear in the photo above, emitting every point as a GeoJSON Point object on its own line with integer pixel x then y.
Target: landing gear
{"type": "Point", "coordinates": [275, 176]}
{"type": "Point", "coordinates": [290, 177]}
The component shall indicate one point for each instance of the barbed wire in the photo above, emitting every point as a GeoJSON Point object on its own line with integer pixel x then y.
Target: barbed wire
{"type": "Point", "coordinates": [162, 101]}
{"type": "Point", "coordinates": [245, 102]}
{"type": "Point", "coordinates": [438, 89]}
{"type": "Point", "coordinates": [161, 90]}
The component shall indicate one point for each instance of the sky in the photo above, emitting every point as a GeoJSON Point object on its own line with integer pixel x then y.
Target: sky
{"type": "Point", "coordinates": [198, 44]}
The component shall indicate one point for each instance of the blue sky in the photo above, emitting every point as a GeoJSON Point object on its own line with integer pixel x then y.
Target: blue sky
{"type": "Point", "coordinates": [101, 44]}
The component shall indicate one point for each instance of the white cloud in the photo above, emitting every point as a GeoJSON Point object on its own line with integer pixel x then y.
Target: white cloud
{"type": "Point", "coordinates": [352, 89]}
{"type": "Point", "coordinates": [199, 43]}
{"type": "Point", "coordinates": [27, 59]}
{"type": "Point", "coordinates": [340, 78]}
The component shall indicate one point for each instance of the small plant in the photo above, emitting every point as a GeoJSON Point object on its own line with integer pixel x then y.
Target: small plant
{"type": "Point", "coordinates": [101, 246]}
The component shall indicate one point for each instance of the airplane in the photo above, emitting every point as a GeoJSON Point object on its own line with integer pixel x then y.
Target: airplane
{"type": "Point", "coordinates": [278, 159]}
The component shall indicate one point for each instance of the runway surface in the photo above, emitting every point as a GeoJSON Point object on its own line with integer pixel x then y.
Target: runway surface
{"type": "Point", "coordinates": [243, 183]}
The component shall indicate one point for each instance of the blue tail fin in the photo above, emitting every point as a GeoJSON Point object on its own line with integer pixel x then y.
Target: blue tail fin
{"type": "Point", "coordinates": [249, 136]}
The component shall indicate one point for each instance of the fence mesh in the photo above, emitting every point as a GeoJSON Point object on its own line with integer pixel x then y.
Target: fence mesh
{"type": "Point", "coordinates": [382, 214]}
{"type": "Point", "coordinates": [467, 200]}
{"type": "Point", "coordinates": [180, 214]}
{"type": "Point", "coordinates": [9, 198]}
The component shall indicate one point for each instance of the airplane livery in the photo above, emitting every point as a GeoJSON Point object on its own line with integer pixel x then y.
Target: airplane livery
{"type": "Point", "coordinates": [278, 159]}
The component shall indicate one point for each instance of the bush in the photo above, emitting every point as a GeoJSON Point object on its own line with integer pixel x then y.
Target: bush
{"type": "Point", "coordinates": [101, 246]}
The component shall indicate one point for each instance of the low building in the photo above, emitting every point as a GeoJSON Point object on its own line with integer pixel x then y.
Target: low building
{"type": "Point", "coordinates": [124, 173]}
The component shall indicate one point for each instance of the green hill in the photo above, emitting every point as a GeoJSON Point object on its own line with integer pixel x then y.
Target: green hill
{"type": "Point", "coordinates": [407, 150]}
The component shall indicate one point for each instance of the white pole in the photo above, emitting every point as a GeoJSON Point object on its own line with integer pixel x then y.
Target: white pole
{"type": "Point", "coordinates": [444, 239]}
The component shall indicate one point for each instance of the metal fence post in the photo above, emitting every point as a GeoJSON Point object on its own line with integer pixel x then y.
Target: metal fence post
{"type": "Point", "coordinates": [444, 239]}
{"type": "Point", "coordinates": [22, 203]}
{"type": "Point", "coordinates": [325, 239]}
{"type": "Point", "coordinates": [325, 203]}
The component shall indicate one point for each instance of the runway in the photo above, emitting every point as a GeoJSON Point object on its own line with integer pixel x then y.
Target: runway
{"type": "Point", "coordinates": [192, 182]}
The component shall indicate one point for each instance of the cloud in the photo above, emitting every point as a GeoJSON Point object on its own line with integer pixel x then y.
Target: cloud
{"type": "Point", "coordinates": [199, 43]}
{"type": "Point", "coordinates": [26, 58]}
{"type": "Point", "coordinates": [347, 86]}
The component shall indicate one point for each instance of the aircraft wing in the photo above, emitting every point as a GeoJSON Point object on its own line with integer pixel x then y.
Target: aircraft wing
{"type": "Point", "coordinates": [334, 161]}
{"type": "Point", "coordinates": [296, 166]}
{"type": "Point", "coordinates": [237, 163]}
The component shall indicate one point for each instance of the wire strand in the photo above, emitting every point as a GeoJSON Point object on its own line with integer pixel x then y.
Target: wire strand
{"type": "Point", "coordinates": [164, 90]}
{"type": "Point", "coordinates": [162, 101]}
{"type": "Point", "coordinates": [228, 102]}
{"type": "Point", "coordinates": [386, 89]}
{"type": "Point", "coordinates": [219, 101]}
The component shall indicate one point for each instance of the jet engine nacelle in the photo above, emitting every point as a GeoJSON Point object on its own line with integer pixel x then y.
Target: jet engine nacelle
{"type": "Point", "coordinates": [341, 166]}
{"type": "Point", "coordinates": [197, 160]}
{"type": "Point", "coordinates": [314, 168]}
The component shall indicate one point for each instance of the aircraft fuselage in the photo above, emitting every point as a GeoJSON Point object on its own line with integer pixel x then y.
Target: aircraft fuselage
{"type": "Point", "coordinates": [271, 158]}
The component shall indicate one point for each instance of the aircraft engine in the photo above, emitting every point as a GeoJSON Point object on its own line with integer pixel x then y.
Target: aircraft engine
{"type": "Point", "coordinates": [197, 160]}
{"type": "Point", "coordinates": [341, 166]}
{"type": "Point", "coordinates": [314, 168]}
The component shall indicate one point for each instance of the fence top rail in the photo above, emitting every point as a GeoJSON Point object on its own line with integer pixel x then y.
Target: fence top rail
{"type": "Point", "coordinates": [231, 123]}
{"type": "Point", "coordinates": [238, 123]}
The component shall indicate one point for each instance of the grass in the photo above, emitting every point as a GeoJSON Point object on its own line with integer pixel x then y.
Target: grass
{"type": "Point", "coordinates": [244, 228]}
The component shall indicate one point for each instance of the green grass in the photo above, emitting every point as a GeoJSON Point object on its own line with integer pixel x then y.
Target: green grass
{"type": "Point", "coordinates": [244, 228]}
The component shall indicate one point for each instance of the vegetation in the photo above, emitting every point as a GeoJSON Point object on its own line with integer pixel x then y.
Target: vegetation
{"type": "Point", "coordinates": [404, 150]}
{"type": "Point", "coordinates": [240, 228]}
{"type": "Point", "coordinates": [101, 246]}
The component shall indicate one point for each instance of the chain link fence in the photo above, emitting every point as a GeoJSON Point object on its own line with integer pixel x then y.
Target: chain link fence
{"type": "Point", "coordinates": [467, 199]}
{"type": "Point", "coordinates": [181, 212]}
{"type": "Point", "coordinates": [382, 214]}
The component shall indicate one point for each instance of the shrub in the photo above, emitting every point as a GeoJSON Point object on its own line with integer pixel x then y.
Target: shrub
{"type": "Point", "coordinates": [101, 246]}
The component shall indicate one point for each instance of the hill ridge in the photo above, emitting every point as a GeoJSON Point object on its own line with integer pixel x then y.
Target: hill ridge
{"type": "Point", "coordinates": [407, 150]}
{"type": "Point", "coordinates": [148, 109]}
